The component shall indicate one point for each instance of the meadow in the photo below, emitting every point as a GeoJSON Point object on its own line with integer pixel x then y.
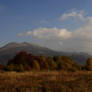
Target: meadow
{"type": "Point", "coordinates": [46, 81]}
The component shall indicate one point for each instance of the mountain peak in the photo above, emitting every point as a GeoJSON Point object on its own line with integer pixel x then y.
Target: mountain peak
{"type": "Point", "coordinates": [16, 44]}
{"type": "Point", "coordinates": [10, 44]}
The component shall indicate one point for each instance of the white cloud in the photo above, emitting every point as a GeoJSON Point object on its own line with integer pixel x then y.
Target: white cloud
{"type": "Point", "coordinates": [81, 39]}
{"type": "Point", "coordinates": [65, 40]}
{"type": "Point", "coordinates": [20, 34]}
{"type": "Point", "coordinates": [28, 33]}
{"type": "Point", "coordinates": [64, 33]}
{"type": "Point", "coordinates": [74, 14]}
{"type": "Point", "coordinates": [49, 33]}
{"type": "Point", "coordinates": [85, 31]}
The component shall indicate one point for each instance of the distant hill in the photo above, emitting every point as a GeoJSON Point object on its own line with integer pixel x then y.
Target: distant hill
{"type": "Point", "coordinates": [11, 49]}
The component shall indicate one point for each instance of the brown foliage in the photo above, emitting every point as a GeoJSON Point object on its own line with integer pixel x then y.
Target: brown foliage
{"type": "Point", "coordinates": [66, 63]}
{"type": "Point", "coordinates": [26, 59]}
{"type": "Point", "coordinates": [30, 62]}
{"type": "Point", "coordinates": [51, 63]}
{"type": "Point", "coordinates": [89, 64]}
{"type": "Point", "coordinates": [2, 67]}
{"type": "Point", "coordinates": [36, 65]}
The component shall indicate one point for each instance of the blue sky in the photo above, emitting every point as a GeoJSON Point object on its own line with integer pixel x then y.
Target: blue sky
{"type": "Point", "coordinates": [20, 16]}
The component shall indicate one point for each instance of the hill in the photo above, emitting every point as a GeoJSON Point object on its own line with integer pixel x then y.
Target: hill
{"type": "Point", "coordinates": [11, 49]}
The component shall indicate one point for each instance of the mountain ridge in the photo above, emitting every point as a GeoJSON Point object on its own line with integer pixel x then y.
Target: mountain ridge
{"type": "Point", "coordinates": [11, 49]}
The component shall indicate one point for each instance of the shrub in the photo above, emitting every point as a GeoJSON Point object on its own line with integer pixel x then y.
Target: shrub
{"type": "Point", "coordinates": [20, 68]}
{"type": "Point", "coordinates": [10, 67]}
{"type": "Point", "coordinates": [89, 64]}
{"type": "Point", "coordinates": [36, 65]}
{"type": "Point", "coordinates": [51, 63]}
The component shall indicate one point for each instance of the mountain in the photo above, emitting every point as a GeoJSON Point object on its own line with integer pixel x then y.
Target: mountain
{"type": "Point", "coordinates": [80, 58]}
{"type": "Point", "coordinates": [11, 49]}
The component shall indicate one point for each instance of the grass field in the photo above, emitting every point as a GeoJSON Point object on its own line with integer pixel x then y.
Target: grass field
{"type": "Point", "coordinates": [51, 81]}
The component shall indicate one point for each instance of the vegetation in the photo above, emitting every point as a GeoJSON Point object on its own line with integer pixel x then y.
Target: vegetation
{"type": "Point", "coordinates": [29, 73]}
{"type": "Point", "coordinates": [89, 64]}
{"type": "Point", "coordinates": [23, 60]}
{"type": "Point", "coordinates": [53, 81]}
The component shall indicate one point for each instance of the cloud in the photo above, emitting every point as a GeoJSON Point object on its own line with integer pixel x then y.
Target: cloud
{"type": "Point", "coordinates": [85, 31]}
{"type": "Point", "coordinates": [20, 34]}
{"type": "Point", "coordinates": [74, 14]}
{"type": "Point", "coordinates": [79, 40]}
{"type": "Point", "coordinates": [49, 33]}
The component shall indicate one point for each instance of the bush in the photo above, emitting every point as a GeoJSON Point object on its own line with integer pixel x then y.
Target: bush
{"type": "Point", "coordinates": [11, 67]}
{"type": "Point", "coordinates": [20, 68]}
{"type": "Point", "coordinates": [51, 63]}
{"type": "Point", "coordinates": [36, 65]}
{"type": "Point", "coordinates": [89, 64]}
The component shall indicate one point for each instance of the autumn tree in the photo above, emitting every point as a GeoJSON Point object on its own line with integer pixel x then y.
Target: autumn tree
{"type": "Point", "coordinates": [36, 65]}
{"type": "Point", "coordinates": [51, 63]}
{"type": "Point", "coordinates": [89, 64]}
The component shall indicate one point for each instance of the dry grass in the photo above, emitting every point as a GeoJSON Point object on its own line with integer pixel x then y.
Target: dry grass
{"type": "Point", "coordinates": [51, 81]}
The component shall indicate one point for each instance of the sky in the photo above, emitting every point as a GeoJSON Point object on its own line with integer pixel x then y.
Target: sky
{"type": "Point", "coordinates": [63, 25]}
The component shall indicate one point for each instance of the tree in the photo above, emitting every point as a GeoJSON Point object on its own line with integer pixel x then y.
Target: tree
{"type": "Point", "coordinates": [11, 67]}
{"type": "Point", "coordinates": [89, 64]}
{"type": "Point", "coordinates": [51, 63]}
{"type": "Point", "coordinates": [21, 68]}
{"type": "Point", "coordinates": [36, 65]}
